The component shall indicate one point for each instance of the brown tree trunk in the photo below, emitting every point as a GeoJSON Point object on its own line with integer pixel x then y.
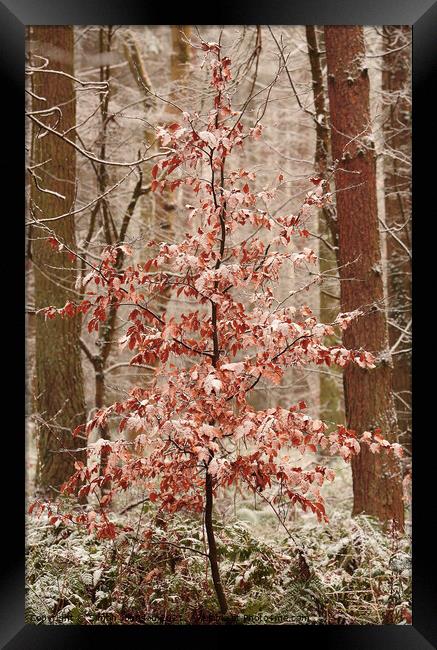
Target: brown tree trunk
{"type": "Point", "coordinates": [330, 393]}
{"type": "Point", "coordinates": [113, 235]}
{"type": "Point", "coordinates": [104, 341]}
{"type": "Point", "coordinates": [377, 482]}
{"type": "Point", "coordinates": [209, 494]}
{"type": "Point", "coordinates": [165, 203]}
{"type": "Point", "coordinates": [397, 185]}
{"type": "Point", "coordinates": [212, 546]}
{"type": "Point", "coordinates": [179, 59]}
{"type": "Point", "coordinates": [180, 53]}
{"type": "Point", "coordinates": [139, 73]}
{"type": "Point", "coordinates": [58, 385]}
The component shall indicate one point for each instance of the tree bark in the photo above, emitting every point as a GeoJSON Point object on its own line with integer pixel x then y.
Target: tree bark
{"type": "Point", "coordinates": [112, 233]}
{"type": "Point", "coordinates": [106, 329]}
{"type": "Point", "coordinates": [212, 547]}
{"type": "Point", "coordinates": [209, 495]}
{"type": "Point", "coordinates": [58, 382]}
{"type": "Point", "coordinates": [330, 394]}
{"type": "Point", "coordinates": [397, 186]}
{"type": "Point", "coordinates": [165, 203]}
{"type": "Point", "coordinates": [139, 73]}
{"type": "Point", "coordinates": [377, 482]}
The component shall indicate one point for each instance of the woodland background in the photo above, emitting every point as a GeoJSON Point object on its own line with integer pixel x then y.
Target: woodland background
{"type": "Point", "coordinates": [335, 104]}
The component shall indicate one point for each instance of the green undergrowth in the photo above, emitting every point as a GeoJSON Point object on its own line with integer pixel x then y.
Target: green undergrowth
{"type": "Point", "coordinates": [349, 572]}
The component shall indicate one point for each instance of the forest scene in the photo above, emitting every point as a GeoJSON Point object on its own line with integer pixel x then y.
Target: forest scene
{"type": "Point", "coordinates": [218, 325]}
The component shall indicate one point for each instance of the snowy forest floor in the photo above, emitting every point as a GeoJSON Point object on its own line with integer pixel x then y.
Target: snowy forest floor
{"type": "Point", "coordinates": [354, 573]}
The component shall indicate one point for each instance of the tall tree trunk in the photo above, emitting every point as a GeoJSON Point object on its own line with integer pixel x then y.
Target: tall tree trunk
{"type": "Point", "coordinates": [106, 329]}
{"type": "Point", "coordinates": [58, 385]}
{"type": "Point", "coordinates": [397, 185]}
{"type": "Point", "coordinates": [180, 57]}
{"type": "Point", "coordinates": [112, 234]}
{"type": "Point", "coordinates": [377, 481]}
{"type": "Point", "coordinates": [139, 73]}
{"type": "Point", "coordinates": [165, 202]}
{"type": "Point", "coordinates": [160, 218]}
{"type": "Point", "coordinates": [330, 394]}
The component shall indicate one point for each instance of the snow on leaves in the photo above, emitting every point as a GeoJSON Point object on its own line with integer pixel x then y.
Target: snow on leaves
{"type": "Point", "coordinates": [200, 420]}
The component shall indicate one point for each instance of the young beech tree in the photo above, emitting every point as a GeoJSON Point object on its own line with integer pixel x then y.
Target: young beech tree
{"type": "Point", "coordinates": [197, 433]}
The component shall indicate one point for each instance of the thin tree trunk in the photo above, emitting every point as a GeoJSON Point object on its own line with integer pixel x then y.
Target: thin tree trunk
{"type": "Point", "coordinates": [105, 330]}
{"type": "Point", "coordinates": [58, 385]}
{"type": "Point", "coordinates": [212, 546]}
{"type": "Point", "coordinates": [330, 394]}
{"type": "Point", "coordinates": [377, 481]}
{"type": "Point", "coordinates": [397, 186]}
{"type": "Point", "coordinates": [99, 360]}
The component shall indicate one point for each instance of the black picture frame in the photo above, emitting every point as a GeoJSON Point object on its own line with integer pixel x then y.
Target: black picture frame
{"type": "Point", "coordinates": [14, 16]}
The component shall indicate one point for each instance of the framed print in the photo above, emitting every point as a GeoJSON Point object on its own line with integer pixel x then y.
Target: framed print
{"type": "Point", "coordinates": [221, 424]}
